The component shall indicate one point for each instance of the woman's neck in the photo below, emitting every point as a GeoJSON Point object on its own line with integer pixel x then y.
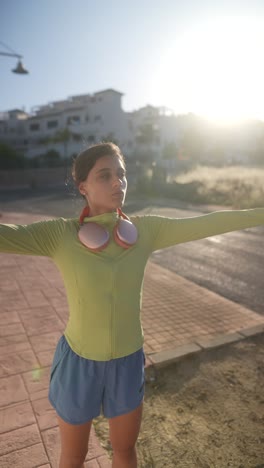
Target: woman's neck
{"type": "Point", "coordinates": [99, 211]}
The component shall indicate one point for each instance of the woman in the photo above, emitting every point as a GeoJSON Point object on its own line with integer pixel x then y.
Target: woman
{"type": "Point", "coordinates": [99, 359]}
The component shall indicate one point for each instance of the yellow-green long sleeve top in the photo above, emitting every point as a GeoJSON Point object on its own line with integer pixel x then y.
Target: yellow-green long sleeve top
{"type": "Point", "coordinates": [104, 289]}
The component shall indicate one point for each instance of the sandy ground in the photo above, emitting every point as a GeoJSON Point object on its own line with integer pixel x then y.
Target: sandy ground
{"type": "Point", "coordinates": [206, 411]}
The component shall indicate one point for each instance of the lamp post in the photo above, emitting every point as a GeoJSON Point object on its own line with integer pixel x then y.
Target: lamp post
{"type": "Point", "coordinates": [20, 70]}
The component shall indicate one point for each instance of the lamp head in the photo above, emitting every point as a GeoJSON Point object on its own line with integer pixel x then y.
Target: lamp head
{"type": "Point", "coordinates": [20, 69]}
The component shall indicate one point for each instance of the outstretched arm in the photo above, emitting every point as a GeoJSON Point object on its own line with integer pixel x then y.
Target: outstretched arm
{"type": "Point", "coordinates": [41, 238]}
{"type": "Point", "coordinates": [166, 232]}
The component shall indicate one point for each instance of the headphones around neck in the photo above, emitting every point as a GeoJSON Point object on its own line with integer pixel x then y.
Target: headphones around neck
{"type": "Point", "coordinates": [96, 238]}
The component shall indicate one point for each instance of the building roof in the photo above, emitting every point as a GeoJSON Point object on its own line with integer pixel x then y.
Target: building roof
{"type": "Point", "coordinates": [111, 90]}
{"type": "Point", "coordinates": [15, 111]}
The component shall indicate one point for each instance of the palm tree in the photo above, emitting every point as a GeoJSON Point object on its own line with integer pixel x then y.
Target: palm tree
{"type": "Point", "coordinates": [62, 136]}
{"type": "Point", "coordinates": [147, 136]}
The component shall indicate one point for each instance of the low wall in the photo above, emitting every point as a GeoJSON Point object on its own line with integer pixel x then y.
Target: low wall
{"type": "Point", "coordinates": [46, 177]}
{"type": "Point", "coordinates": [39, 177]}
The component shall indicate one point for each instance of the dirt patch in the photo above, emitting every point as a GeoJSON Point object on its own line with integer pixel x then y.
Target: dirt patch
{"type": "Point", "coordinates": [206, 411]}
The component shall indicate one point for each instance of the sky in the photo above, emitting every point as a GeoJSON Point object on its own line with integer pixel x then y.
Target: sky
{"type": "Point", "coordinates": [200, 56]}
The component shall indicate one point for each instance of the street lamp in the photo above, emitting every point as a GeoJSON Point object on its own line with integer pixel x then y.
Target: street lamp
{"type": "Point", "coordinates": [20, 70]}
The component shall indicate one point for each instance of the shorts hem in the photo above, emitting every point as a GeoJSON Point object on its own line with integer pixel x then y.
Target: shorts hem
{"type": "Point", "coordinates": [128, 410]}
{"type": "Point", "coordinates": [67, 419]}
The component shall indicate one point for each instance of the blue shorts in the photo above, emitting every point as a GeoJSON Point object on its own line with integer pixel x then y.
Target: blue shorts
{"type": "Point", "coordinates": [80, 388]}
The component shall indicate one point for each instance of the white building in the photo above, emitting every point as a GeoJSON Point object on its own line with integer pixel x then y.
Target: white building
{"type": "Point", "coordinates": [92, 118]}
{"type": "Point", "coordinates": [89, 119]}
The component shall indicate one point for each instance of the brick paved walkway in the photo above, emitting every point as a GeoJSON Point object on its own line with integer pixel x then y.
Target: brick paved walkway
{"type": "Point", "coordinates": [33, 311]}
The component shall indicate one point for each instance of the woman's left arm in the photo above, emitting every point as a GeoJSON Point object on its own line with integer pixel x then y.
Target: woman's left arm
{"type": "Point", "coordinates": [165, 232]}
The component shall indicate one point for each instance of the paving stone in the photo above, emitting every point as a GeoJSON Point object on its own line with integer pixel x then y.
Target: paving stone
{"type": "Point", "coordinates": [35, 385]}
{"type": "Point", "coordinates": [9, 284]}
{"type": "Point", "coordinates": [95, 449]}
{"type": "Point", "coordinates": [12, 390]}
{"type": "Point", "coordinates": [51, 439]}
{"type": "Point", "coordinates": [9, 340]}
{"type": "Point", "coordinates": [13, 300]}
{"type": "Point", "coordinates": [189, 310]}
{"type": "Point", "coordinates": [59, 301]}
{"type": "Point", "coordinates": [52, 292]}
{"type": "Point", "coordinates": [45, 323]}
{"type": "Point", "coordinates": [12, 329]}
{"type": "Point", "coordinates": [27, 283]}
{"type": "Point", "coordinates": [46, 357]}
{"type": "Point", "coordinates": [14, 347]}
{"type": "Point", "coordinates": [7, 260]}
{"type": "Point", "coordinates": [63, 313]}
{"type": "Point", "coordinates": [15, 363]}
{"type": "Point", "coordinates": [28, 457]}
{"type": "Point", "coordinates": [218, 341]}
{"type": "Point", "coordinates": [45, 341]}
{"type": "Point", "coordinates": [163, 358]}
{"type": "Point", "coordinates": [19, 438]}
{"type": "Point", "coordinates": [92, 464]}
{"type": "Point", "coordinates": [39, 394]}
{"type": "Point", "coordinates": [104, 462]}
{"type": "Point", "coordinates": [35, 298]}
{"type": "Point", "coordinates": [37, 311]}
{"type": "Point", "coordinates": [10, 317]}
{"type": "Point", "coordinates": [16, 416]}
{"type": "Point", "coordinates": [45, 413]}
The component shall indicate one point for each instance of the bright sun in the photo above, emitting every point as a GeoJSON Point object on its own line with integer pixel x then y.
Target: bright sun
{"type": "Point", "coordinates": [215, 70]}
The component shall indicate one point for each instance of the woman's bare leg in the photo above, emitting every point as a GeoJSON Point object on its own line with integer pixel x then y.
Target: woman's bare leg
{"type": "Point", "coordinates": [74, 443]}
{"type": "Point", "coordinates": [124, 431]}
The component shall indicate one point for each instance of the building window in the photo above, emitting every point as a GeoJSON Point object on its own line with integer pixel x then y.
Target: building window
{"type": "Point", "coordinates": [87, 118]}
{"type": "Point", "coordinates": [91, 138]}
{"type": "Point", "coordinates": [34, 127]}
{"type": "Point", "coordinates": [76, 137]}
{"type": "Point", "coordinates": [97, 118]}
{"type": "Point", "coordinates": [52, 124]}
{"type": "Point", "coordinates": [73, 119]}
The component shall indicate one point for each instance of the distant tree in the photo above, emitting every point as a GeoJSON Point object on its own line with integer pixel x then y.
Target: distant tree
{"type": "Point", "coordinates": [49, 159]}
{"type": "Point", "coordinates": [192, 143]}
{"type": "Point", "coordinates": [194, 137]}
{"type": "Point", "coordinates": [147, 137]}
{"type": "Point", "coordinates": [62, 136]}
{"type": "Point", "coordinates": [52, 158]}
{"type": "Point", "coordinates": [9, 159]}
{"type": "Point", "coordinates": [257, 155]}
{"type": "Point", "coordinates": [147, 134]}
{"type": "Point", "coordinates": [170, 151]}
{"type": "Point", "coordinates": [110, 137]}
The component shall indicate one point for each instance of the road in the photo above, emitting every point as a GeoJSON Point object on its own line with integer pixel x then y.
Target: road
{"type": "Point", "coordinates": [230, 264]}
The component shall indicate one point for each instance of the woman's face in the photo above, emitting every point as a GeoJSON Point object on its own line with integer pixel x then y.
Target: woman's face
{"type": "Point", "coordinates": [105, 186]}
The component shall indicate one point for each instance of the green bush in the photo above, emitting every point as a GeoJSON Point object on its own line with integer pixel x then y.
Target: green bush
{"type": "Point", "coordinates": [49, 159]}
{"type": "Point", "coordinates": [238, 186]}
{"type": "Point", "coordinates": [10, 159]}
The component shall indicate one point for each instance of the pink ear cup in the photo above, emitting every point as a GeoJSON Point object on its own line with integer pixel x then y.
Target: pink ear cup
{"type": "Point", "coordinates": [125, 233]}
{"type": "Point", "coordinates": [93, 236]}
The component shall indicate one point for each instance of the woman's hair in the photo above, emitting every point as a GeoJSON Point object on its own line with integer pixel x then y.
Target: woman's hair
{"type": "Point", "coordinates": [86, 160]}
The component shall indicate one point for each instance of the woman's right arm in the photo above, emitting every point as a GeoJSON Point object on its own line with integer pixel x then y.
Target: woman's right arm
{"type": "Point", "coordinates": [40, 238]}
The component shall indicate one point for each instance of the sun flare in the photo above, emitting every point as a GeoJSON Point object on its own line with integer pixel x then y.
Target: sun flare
{"type": "Point", "coordinates": [214, 70]}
